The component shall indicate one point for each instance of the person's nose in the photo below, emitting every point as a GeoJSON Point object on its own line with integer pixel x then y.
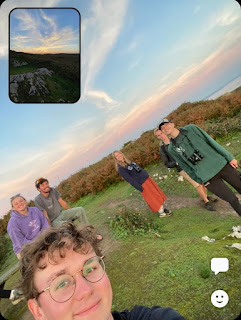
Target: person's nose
{"type": "Point", "coordinates": [83, 288]}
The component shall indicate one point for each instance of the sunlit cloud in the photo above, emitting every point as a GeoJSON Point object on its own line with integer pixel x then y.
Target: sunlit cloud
{"type": "Point", "coordinates": [7, 7]}
{"type": "Point", "coordinates": [195, 76]}
{"type": "Point", "coordinates": [15, 185]}
{"type": "Point", "coordinates": [223, 19]}
{"type": "Point", "coordinates": [99, 35]}
{"type": "Point", "coordinates": [101, 99]}
{"type": "Point", "coordinates": [42, 35]}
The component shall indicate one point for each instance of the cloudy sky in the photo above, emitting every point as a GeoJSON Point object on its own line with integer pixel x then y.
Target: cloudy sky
{"type": "Point", "coordinates": [140, 60]}
{"type": "Point", "coordinates": [44, 30]}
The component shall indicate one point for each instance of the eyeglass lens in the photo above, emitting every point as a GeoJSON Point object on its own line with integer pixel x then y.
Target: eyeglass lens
{"type": "Point", "coordinates": [62, 288]}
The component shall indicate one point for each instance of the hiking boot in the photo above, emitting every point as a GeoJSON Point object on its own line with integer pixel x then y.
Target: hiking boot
{"type": "Point", "coordinates": [209, 206]}
{"type": "Point", "coordinates": [16, 296]}
{"type": "Point", "coordinates": [212, 199]}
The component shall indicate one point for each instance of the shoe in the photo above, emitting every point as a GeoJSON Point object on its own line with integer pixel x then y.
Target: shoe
{"type": "Point", "coordinates": [16, 296]}
{"type": "Point", "coordinates": [209, 206]}
{"type": "Point", "coordinates": [165, 213]}
{"type": "Point", "coordinates": [212, 199]}
{"type": "Point", "coordinates": [161, 210]}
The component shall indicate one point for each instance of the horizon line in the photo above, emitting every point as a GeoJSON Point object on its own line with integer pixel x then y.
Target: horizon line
{"type": "Point", "coordinates": [45, 53]}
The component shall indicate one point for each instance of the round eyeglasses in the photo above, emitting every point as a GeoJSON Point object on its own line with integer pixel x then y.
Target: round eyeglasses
{"type": "Point", "coordinates": [62, 288]}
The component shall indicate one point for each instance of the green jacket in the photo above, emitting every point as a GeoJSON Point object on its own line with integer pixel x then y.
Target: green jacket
{"type": "Point", "coordinates": [215, 157]}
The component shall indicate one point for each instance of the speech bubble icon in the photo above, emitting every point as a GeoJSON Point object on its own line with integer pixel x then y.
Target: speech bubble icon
{"type": "Point", "coordinates": [219, 265]}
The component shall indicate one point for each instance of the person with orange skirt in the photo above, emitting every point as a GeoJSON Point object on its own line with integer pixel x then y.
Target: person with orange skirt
{"type": "Point", "coordinates": [141, 181]}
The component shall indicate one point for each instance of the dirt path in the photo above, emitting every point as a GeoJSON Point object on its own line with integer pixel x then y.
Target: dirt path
{"type": "Point", "coordinates": [174, 202]}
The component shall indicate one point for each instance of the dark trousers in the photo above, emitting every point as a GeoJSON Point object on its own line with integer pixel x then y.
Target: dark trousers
{"type": "Point", "coordinates": [4, 294]}
{"type": "Point", "coordinates": [217, 186]}
{"type": "Point", "coordinates": [2, 317]}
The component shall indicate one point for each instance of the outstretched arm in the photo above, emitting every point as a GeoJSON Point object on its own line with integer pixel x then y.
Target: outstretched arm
{"type": "Point", "coordinates": [46, 216]}
{"type": "Point", "coordinates": [63, 204]}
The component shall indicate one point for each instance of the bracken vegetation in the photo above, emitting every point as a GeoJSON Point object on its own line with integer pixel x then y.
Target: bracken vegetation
{"type": "Point", "coordinates": [219, 118]}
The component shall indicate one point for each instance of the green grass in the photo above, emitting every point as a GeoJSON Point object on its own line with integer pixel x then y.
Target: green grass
{"type": "Point", "coordinates": [170, 270]}
{"type": "Point", "coordinates": [61, 88]}
{"type": "Point", "coordinates": [10, 259]}
{"type": "Point", "coordinates": [22, 69]}
{"type": "Point", "coordinates": [174, 270]}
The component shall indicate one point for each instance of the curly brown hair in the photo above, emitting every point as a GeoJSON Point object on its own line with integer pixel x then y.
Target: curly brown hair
{"type": "Point", "coordinates": [65, 237]}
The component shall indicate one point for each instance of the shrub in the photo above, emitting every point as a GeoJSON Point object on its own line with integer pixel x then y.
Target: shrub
{"type": "Point", "coordinates": [131, 222]}
{"type": "Point", "coordinates": [3, 250]}
{"type": "Point", "coordinates": [205, 272]}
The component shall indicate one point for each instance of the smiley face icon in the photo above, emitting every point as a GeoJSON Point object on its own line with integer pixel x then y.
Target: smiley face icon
{"type": "Point", "coordinates": [219, 298]}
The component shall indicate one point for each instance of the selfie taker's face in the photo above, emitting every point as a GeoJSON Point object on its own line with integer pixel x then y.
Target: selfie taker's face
{"type": "Point", "coordinates": [90, 301]}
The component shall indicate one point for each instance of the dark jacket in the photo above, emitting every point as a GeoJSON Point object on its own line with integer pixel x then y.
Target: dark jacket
{"type": "Point", "coordinates": [145, 313]}
{"type": "Point", "coordinates": [167, 158]}
{"type": "Point", "coordinates": [131, 175]}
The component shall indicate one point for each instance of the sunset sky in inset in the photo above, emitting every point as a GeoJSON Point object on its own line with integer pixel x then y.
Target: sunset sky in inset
{"type": "Point", "coordinates": [44, 30]}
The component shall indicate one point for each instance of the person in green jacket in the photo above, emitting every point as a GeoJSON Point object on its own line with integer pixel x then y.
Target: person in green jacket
{"type": "Point", "coordinates": [204, 160]}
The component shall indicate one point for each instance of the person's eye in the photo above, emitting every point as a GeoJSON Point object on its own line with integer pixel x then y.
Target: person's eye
{"type": "Point", "coordinates": [90, 270]}
{"type": "Point", "coordinates": [63, 284]}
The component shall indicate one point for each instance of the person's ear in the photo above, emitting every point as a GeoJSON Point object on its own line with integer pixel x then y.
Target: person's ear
{"type": "Point", "coordinates": [36, 309]}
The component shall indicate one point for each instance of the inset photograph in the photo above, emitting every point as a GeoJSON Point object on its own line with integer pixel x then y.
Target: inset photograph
{"type": "Point", "coordinates": [44, 55]}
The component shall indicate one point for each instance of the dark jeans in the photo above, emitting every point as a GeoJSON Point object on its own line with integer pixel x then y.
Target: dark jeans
{"type": "Point", "coordinates": [5, 293]}
{"type": "Point", "coordinates": [2, 317]}
{"type": "Point", "coordinates": [218, 187]}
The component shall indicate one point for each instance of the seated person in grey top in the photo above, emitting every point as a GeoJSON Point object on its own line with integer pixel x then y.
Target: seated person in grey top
{"type": "Point", "coordinates": [64, 278]}
{"type": "Point", "coordinates": [50, 202]}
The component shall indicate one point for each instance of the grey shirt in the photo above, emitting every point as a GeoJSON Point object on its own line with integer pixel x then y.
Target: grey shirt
{"type": "Point", "coordinates": [49, 204]}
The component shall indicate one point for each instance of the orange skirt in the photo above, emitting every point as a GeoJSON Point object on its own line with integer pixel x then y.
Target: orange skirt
{"type": "Point", "coordinates": [153, 195]}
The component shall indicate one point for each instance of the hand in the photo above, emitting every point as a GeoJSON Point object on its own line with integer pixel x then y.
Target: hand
{"type": "Point", "coordinates": [234, 163]}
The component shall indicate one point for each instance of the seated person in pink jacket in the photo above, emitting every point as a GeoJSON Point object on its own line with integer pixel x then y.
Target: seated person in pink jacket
{"type": "Point", "coordinates": [25, 223]}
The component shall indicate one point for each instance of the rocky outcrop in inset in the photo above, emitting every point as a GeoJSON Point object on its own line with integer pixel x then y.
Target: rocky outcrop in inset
{"type": "Point", "coordinates": [33, 83]}
{"type": "Point", "coordinates": [17, 63]}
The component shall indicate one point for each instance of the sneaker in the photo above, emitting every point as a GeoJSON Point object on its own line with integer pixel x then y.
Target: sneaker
{"type": "Point", "coordinates": [209, 206]}
{"type": "Point", "coordinates": [212, 199]}
{"type": "Point", "coordinates": [165, 213]}
{"type": "Point", "coordinates": [16, 296]}
{"type": "Point", "coordinates": [161, 210]}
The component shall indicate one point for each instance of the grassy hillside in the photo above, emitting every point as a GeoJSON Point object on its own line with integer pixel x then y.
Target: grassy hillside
{"type": "Point", "coordinates": [220, 118]}
{"type": "Point", "coordinates": [169, 264]}
{"type": "Point", "coordinates": [63, 84]}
